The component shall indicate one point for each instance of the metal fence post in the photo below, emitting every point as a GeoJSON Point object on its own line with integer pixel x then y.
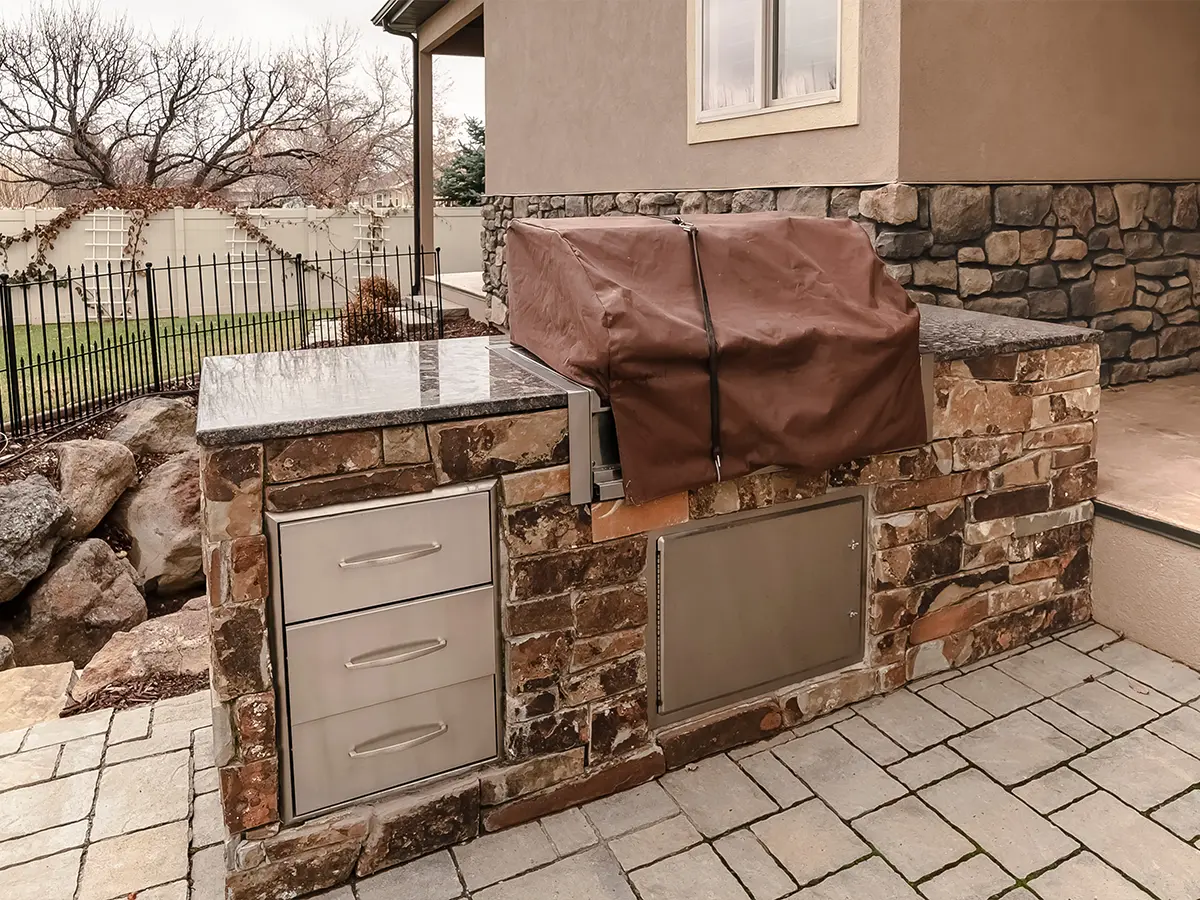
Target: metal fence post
{"type": "Point", "coordinates": [300, 300]}
{"type": "Point", "coordinates": [152, 324]}
{"type": "Point", "coordinates": [10, 356]}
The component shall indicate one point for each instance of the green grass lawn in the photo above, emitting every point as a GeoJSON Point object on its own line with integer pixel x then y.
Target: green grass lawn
{"type": "Point", "coordinates": [62, 365]}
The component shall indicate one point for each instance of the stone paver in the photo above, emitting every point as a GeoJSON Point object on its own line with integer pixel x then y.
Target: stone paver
{"type": "Point", "coordinates": [1019, 839]}
{"type": "Point", "coordinates": [871, 879]}
{"type": "Point", "coordinates": [906, 791]}
{"type": "Point", "coordinates": [133, 862]}
{"type": "Point", "coordinates": [908, 720]}
{"type": "Point", "coordinates": [630, 810]}
{"type": "Point", "coordinates": [1153, 669]}
{"type": "Point", "coordinates": [53, 876]}
{"type": "Point", "coordinates": [1085, 876]}
{"type": "Point", "coordinates": [1054, 790]}
{"type": "Point", "coordinates": [43, 843]}
{"type": "Point", "coordinates": [30, 809]}
{"type": "Point", "coordinates": [975, 879]}
{"type": "Point", "coordinates": [34, 694]}
{"type": "Point", "coordinates": [1093, 637]}
{"type": "Point", "coordinates": [754, 867]}
{"type": "Point", "coordinates": [927, 767]}
{"type": "Point", "coordinates": [654, 842]}
{"type": "Point", "coordinates": [58, 731]}
{"type": "Point", "coordinates": [592, 874]}
{"type": "Point", "coordinates": [1069, 723]}
{"type": "Point", "coordinates": [1105, 708]}
{"type": "Point", "coordinates": [870, 740]}
{"type": "Point", "coordinates": [495, 857]}
{"type": "Point", "coordinates": [429, 878]}
{"type": "Point", "coordinates": [993, 691]}
{"type": "Point", "coordinates": [717, 796]}
{"type": "Point", "coordinates": [1052, 668]}
{"type": "Point", "coordinates": [1181, 728]}
{"type": "Point", "coordinates": [1181, 815]}
{"type": "Point", "coordinates": [955, 706]}
{"type": "Point", "coordinates": [569, 831]}
{"type": "Point", "coordinates": [810, 841]}
{"type": "Point", "coordinates": [1141, 769]}
{"type": "Point", "coordinates": [775, 778]}
{"type": "Point", "coordinates": [1142, 849]}
{"type": "Point", "coordinates": [913, 838]}
{"type": "Point", "coordinates": [1135, 690]}
{"type": "Point", "coordinates": [839, 773]}
{"type": "Point", "coordinates": [139, 794]}
{"type": "Point", "coordinates": [129, 725]}
{"type": "Point", "coordinates": [697, 873]}
{"type": "Point", "coordinates": [29, 767]}
{"type": "Point", "coordinates": [1017, 747]}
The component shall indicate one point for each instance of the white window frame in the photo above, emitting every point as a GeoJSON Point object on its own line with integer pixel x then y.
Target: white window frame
{"type": "Point", "coordinates": [828, 109]}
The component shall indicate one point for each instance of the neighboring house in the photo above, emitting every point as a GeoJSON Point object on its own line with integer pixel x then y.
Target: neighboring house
{"type": "Point", "coordinates": [386, 194]}
{"type": "Point", "coordinates": [1039, 155]}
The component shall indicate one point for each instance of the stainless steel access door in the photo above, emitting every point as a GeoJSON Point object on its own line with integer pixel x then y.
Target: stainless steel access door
{"type": "Point", "coordinates": [749, 602]}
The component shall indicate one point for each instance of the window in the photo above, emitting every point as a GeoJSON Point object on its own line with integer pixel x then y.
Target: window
{"type": "Point", "coordinates": [773, 65]}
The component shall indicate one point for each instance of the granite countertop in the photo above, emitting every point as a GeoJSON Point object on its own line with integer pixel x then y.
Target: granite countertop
{"type": "Point", "coordinates": [960, 334]}
{"type": "Point", "coordinates": [296, 392]}
{"type": "Point", "coordinates": [255, 397]}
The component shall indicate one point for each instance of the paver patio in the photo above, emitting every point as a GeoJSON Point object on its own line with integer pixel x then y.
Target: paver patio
{"type": "Point", "coordinates": [1060, 771]}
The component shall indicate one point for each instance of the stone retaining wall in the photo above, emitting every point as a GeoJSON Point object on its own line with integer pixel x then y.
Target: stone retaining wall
{"type": "Point", "coordinates": [979, 541]}
{"type": "Point", "coordinates": [1123, 258]}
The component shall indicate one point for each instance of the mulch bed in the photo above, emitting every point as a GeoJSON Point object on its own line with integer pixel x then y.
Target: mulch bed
{"type": "Point", "coordinates": [465, 326]}
{"type": "Point", "coordinates": [138, 693]}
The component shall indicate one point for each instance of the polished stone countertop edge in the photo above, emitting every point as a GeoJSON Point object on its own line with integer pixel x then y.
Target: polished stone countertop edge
{"type": "Point", "coordinates": [948, 334]}
{"type": "Point", "coordinates": [253, 434]}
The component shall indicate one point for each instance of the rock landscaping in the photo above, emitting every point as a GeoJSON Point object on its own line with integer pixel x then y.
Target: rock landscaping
{"type": "Point", "coordinates": [83, 543]}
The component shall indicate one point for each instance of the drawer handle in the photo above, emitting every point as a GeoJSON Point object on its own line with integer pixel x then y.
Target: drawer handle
{"type": "Point", "coordinates": [374, 659]}
{"type": "Point", "coordinates": [435, 730]}
{"type": "Point", "coordinates": [400, 554]}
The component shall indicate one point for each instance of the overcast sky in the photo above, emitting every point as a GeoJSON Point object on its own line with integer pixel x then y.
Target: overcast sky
{"type": "Point", "coordinates": [279, 21]}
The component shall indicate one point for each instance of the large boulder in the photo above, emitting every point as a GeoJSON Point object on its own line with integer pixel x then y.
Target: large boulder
{"type": "Point", "coordinates": [92, 477]}
{"type": "Point", "coordinates": [88, 595]}
{"type": "Point", "coordinates": [32, 521]}
{"type": "Point", "coordinates": [156, 426]}
{"type": "Point", "coordinates": [162, 517]}
{"type": "Point", "coordinates": [8, 657]}
{"type": "Point", "coordinates": [166, 648]}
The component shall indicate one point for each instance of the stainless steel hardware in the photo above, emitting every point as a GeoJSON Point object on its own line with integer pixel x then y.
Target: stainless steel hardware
{"type": "Point", "coordinates": [390, 557]}
{"type": "Point", "coordinates": [436, 729]}
{"type": "Point", "coordinates": [854, 613]}
{"type": "Point", "coordinates": [374, 659]}
{"type": "Point", "coordinates": [854, 545]}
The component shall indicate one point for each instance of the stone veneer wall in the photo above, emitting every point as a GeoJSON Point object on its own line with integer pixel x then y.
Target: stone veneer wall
{"type": "Point", "coordinates": [1123, 258]}
{"type": "Point", "coordinates": [979, 542]}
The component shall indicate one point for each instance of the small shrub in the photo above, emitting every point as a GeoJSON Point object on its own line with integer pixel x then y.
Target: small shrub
{"type": "Point", "coordinates": [370, 314]}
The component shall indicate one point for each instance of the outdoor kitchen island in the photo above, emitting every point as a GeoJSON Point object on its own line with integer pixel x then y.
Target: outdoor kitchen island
{"type": "Point", "coordinates": [417, 636]}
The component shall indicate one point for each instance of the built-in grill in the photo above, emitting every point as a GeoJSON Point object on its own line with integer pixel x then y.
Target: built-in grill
{"type": "Point", "coordinates": [713, 349]}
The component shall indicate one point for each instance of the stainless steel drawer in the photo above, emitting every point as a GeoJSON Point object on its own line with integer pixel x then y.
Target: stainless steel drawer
{"type": "Point", "coordinates": [364, 658]}
{"type": "Point", "coordinates": [346, 561]}
{"type": "Point", "coordinates": [390, 744]}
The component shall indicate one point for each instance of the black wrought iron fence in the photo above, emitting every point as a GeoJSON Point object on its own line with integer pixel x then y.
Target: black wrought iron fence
{"type": "Point", "coordinates": [83, 341]}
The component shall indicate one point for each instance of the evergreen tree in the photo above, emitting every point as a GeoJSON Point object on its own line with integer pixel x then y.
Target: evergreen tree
{"type": "Point", "coordinates": [462, 179]}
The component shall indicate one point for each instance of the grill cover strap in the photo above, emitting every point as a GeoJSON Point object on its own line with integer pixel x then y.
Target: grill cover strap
{"type": "Point", "coordinates": [714, 384]}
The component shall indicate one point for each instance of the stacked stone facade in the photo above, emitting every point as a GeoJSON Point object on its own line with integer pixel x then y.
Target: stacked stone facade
{"type": "Point", "coordinates": [979, 541]}
{"type": "Point", "coordinates": [1123, 258]}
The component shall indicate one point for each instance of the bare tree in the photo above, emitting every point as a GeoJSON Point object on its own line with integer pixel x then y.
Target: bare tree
{"type": "Point", "coordinates": [87, 102]}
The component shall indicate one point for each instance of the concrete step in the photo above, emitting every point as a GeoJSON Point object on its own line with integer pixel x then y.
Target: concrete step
{"type": "Point", "coordinates": [1146, 581]}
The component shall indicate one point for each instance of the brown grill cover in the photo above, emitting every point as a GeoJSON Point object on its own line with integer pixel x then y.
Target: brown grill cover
{"type": "Point", "coordinates": [818, 346]}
